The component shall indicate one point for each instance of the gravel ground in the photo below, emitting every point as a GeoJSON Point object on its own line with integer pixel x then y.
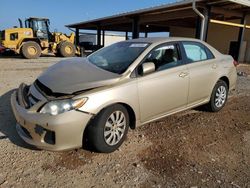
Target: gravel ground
{"type": "Point", "coordinates": [189, 149]}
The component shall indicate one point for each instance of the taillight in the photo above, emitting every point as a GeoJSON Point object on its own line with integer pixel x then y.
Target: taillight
{"type": "Point", "coordinates": [235, 63]}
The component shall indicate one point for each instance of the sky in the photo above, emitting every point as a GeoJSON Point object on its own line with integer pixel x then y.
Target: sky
{"type": "Point", "coordinates": [63, 12]}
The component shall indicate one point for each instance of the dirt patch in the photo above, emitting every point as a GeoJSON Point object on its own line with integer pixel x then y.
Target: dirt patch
{"type": "Point", "coordinates": [201, 148]}
{"type": "Point", "coordinates": [70, 160]}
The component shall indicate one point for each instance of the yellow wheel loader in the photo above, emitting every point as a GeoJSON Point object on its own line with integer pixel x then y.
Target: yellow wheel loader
{"type": "Point", "coordinates": [35, 39]}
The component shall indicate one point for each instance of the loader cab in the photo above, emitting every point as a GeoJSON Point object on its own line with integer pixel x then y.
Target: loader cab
{"type": "Point", "coordinates": [40, 27]}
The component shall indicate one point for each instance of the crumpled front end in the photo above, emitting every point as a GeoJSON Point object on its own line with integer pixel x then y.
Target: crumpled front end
{"type": "Point", "coordinates": [51, 132]}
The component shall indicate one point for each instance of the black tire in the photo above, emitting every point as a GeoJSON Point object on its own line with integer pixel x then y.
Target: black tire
{"type": "Point", "coordinates": [67, 49]}
{"type": "Point", "coordinates": [214, 105]}
{"type": "Point", "coordinates": [58, 53]}
{"type": "Point", "coordinates": [98, 127]}
{"type": "Point", "coordinates": [31, 50]}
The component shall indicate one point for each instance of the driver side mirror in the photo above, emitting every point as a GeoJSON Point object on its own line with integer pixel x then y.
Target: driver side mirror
{"type": "Point", "coordinates": [148, 68]}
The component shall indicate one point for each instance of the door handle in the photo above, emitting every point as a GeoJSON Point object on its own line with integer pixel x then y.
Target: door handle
{"type": "Point", "coordinates": [183, 74]}
{"type": "Point", "coordinates": [214, 66]}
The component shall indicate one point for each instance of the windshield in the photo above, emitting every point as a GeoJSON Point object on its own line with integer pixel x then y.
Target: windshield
{"type": "Point", "coordinates": [40, 25]}
{"type": "Point", "coordinates": [118, 57]}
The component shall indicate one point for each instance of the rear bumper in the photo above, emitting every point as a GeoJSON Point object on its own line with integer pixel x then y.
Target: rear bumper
{"type": "Point", "coordinates": [55, 133]}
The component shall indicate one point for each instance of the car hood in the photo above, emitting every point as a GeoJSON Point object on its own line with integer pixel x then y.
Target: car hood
{"type": "Point", "coordinates": [76, 74]}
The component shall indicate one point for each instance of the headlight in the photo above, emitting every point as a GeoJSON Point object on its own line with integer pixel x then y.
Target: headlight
{"type": "Point", "coordinates": [61, 106]}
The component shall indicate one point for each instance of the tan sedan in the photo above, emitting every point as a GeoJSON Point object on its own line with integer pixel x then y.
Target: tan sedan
{"type": "Point", "coordinates": [122, 86]}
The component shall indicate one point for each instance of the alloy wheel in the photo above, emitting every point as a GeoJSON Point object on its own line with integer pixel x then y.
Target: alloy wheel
{"type": "Point", "coordinates": [220, 96]}
{"type": "Point", "coordinates": [115, 127]}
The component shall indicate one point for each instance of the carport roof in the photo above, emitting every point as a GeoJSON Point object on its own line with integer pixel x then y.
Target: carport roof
{"type": "Point", "coordinates": [160, 18]}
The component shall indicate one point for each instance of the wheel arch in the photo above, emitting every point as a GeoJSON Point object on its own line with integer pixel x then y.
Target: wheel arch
{"type": "Point", "coordinates": [131, 113]}
{"type": "Point", "coordinates": [226, 80]}
{"type": "Point", "coordinates": [21, 43]}
{"type": "Point", "coordinates": [60, 43]}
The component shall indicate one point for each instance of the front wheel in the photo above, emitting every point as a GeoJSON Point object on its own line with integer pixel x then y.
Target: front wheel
{"type": "Point", "coordinates": [31, 50]}
{"type": "Point", "coordinates": [109, 128]}
{"type": "Point", "coordinates": [219, 97]}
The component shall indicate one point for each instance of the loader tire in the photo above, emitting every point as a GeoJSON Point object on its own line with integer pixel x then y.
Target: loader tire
{"type": "Point", "coordinates": [31, 50]}
{"type": "Point", "coordinates": [58, 53]}
{"type": "Point", "coordinates": [67, 49]}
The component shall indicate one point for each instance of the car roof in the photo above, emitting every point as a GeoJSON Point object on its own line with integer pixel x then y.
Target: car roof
{"type": "Point", "coordinates": [162, 39]}
{"type": "Point", "coordinates": [159, 40]}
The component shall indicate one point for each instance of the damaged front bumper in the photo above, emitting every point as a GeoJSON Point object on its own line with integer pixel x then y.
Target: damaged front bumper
{"type": "Point", "coordinates": [60, 132]}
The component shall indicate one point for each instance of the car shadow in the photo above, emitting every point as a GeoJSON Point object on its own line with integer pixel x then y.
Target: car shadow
{"type": "Point", "coordinates": [201, 109]}
{"type": "Point", "coordinates": [8, 56]}
{"type": "Point", "coordinates": [8, 122]}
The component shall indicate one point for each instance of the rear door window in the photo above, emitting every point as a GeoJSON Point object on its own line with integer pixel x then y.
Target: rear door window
{"type": "Point", "coordinates": [196, 51]}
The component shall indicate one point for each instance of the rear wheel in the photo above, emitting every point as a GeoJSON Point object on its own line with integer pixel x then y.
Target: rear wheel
{"type": "Point", "coordinates": [31, 50]}
{"type": "Point", "coordinates": [67, 49]}
{"type": "Point", "coordinates": [218, 97]}
{"type": "Point", "coordinates": [109, 128]}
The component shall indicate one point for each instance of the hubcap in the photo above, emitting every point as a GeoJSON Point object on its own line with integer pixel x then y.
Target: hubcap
{"type": "Point", "coordinates": [68, 49]}
{"type": "Point", "coordinates": [32, 50]}
{"type": "Point", "coordinates": [114, 128]}
{"type": "Point", "coordinates": [220, 96]}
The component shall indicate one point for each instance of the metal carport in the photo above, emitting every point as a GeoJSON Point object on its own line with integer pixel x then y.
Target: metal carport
{"type": "Point", "coordinates": [181, 14]}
